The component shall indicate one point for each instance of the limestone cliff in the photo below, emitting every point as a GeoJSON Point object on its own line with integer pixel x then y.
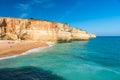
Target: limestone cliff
{"type": "Point", "coordinates": [29, 29]}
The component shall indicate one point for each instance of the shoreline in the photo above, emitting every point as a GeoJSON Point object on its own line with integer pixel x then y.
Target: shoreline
{"type": "Point", "coordinates": [19, 48]}
{"type": "Point", "coordinates": [25, 53]}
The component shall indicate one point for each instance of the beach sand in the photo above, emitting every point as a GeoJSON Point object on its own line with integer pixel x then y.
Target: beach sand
{"type": "Point", "coordinates": [11, 48]}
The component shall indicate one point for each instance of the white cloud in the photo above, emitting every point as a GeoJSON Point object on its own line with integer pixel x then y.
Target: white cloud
{"type": "Point", "coordinates": [27, 7]}
{"type": "Point", "coordinates": [40, 1]}
{"type": "Point", "coordinates": [48, 4]}
{"type": "Point", "coordinates": [23, 15]}
{"type": "Point", "coordinates": [23, 6]}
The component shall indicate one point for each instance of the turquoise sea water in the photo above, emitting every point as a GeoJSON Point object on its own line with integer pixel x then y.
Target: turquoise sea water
{"type": "Point", "coordinates": [96, 59]}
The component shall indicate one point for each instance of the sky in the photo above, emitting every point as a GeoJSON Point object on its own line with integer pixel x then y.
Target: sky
{"type": "Point", "coordinates": [101, 17]}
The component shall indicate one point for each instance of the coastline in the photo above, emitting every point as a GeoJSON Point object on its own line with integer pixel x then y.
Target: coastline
{"type": "Point", "coordinates": [10, 49]}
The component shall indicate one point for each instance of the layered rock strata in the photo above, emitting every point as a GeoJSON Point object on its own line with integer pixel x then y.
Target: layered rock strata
{"type": "Point", "coordinates": [29, 29]}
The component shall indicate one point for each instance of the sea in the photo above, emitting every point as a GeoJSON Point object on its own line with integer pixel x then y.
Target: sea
{"type": "Point", "coordinates": [96, 59]}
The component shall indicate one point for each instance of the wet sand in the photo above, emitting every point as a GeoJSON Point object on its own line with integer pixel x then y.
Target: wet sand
{"type": "Point", "coordinates": [11, 48]}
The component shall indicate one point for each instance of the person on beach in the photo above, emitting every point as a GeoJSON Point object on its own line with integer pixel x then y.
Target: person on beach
{"type": "Point", "coordinates": [11, 44]}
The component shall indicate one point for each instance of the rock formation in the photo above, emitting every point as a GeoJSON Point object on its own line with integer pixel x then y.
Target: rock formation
{"type": "Point", "coordinates": [29, 29]}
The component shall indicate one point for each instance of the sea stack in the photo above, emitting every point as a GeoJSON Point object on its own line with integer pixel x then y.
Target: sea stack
{"type": "Point", "coordinates": [31, 29]}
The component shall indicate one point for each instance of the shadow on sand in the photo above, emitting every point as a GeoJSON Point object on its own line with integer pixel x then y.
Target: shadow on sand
{"type": "Point", "coordinates": [27, 73]}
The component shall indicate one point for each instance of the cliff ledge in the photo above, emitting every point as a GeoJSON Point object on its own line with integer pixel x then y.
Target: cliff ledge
{"type": "Point", "coordinates": [29, 29]}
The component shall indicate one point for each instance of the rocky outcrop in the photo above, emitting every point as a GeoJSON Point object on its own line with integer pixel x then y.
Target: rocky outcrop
{"type": "Point", "coordinates": [24, 29]}
{"type": "Point", "coordinates": [92, 35]}
{"type": "Point", "coordinates": [79, 34]}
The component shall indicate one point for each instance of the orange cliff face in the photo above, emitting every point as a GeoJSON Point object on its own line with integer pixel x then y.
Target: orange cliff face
{"type": "Point", "coordinates": [24, 29]}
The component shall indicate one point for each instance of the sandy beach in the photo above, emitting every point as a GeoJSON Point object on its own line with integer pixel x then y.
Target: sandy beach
{"type": "Point", "coordinates": [11, 48]}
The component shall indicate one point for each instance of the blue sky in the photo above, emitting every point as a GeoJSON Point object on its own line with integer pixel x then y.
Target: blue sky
{"type": "Point", "coordinates": [101, 17]}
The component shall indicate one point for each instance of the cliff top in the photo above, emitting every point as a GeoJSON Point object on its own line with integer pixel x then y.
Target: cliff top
{"type": "Point", "coordinates": [36, 19]}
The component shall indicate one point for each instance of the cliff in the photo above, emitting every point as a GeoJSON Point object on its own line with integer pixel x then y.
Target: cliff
{"type": "Point", "coordinates": [29, 29]}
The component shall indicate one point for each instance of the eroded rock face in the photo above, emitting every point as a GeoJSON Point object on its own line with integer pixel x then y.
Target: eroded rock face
{"type": "Point", "coordinates": [78, 34]}
{"type": "Point", "coordinates": [24, 29]}
{"type": "Point", "coordinates": [63, 32]}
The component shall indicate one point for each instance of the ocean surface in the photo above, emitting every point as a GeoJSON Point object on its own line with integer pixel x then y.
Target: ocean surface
{"type": "Point", "coordinates": [96, 59]}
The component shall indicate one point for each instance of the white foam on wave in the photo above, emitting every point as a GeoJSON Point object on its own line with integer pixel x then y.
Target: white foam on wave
{"type": "Point", "coordinates": [40, 49]}
{"type": "Point", "coordinates": [34, 50]}
{"type": "Point", "coordinates": [9, 57]}
{"type": "Point", "coordinates": [50, 43]}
